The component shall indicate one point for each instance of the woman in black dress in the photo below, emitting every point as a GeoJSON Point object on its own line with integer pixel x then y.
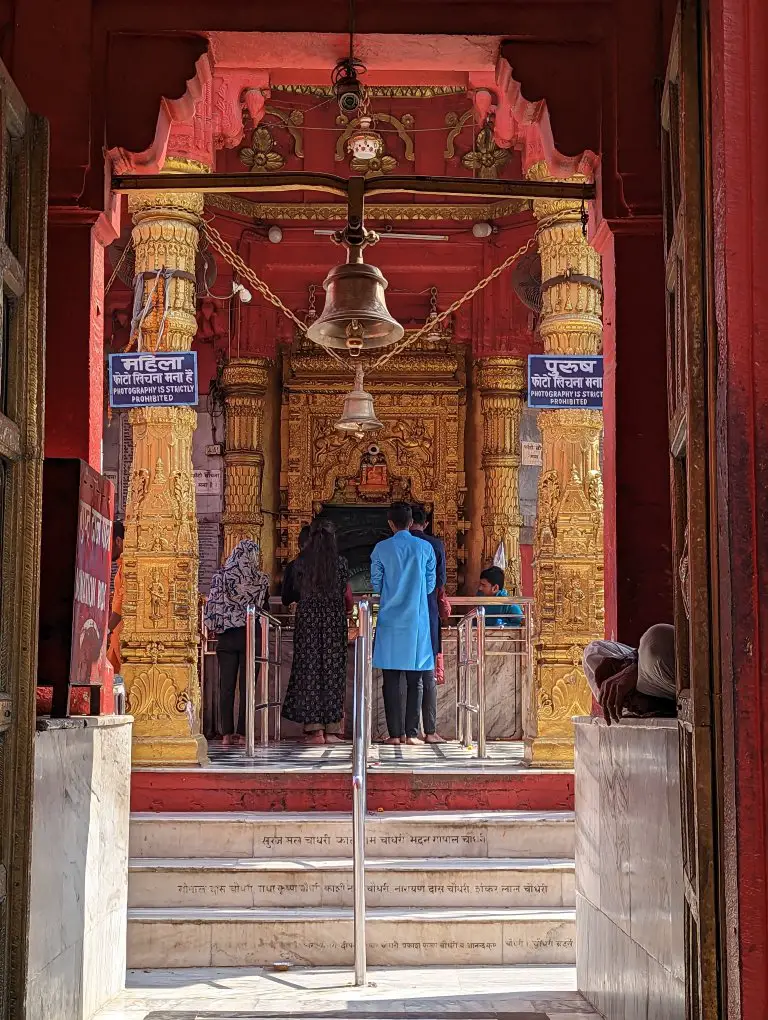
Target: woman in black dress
{"type": "Point", "coordinates": [319, 584]}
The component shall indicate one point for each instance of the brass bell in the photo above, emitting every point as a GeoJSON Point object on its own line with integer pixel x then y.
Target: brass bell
{"type": "Point", "coordinates": [358, 416]}
{"type": "Point", "coordinates": [354, 293]}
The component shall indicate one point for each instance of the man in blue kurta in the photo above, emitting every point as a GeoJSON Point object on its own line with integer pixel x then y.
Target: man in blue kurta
{"type": "Point", "coordinates": [429, 685]}
{"type": "Point", "coordinates": [403, 572]}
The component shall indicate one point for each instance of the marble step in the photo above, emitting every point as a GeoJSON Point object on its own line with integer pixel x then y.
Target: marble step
{"type": "Point", "coordinates": [474, 834]}
{"type": "Point", "coordinates": [251, 937]}
{"type": "Point", "coordinates": [317, 882]}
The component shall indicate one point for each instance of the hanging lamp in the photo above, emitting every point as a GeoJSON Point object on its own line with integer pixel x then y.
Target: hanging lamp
{"type": "Point", "coordinates": [358, 416]}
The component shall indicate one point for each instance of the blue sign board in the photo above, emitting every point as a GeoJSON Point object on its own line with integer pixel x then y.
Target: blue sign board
{"type": "Point", "coordinates": [144, 379]}
{"type": "Point", "coordinates": [563, 380]}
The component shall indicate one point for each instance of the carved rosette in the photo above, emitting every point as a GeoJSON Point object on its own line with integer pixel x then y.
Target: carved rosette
{"type": "Point", "coordinates": [160, 562]}
{"type": "Point", "coordinates": [501, 382]}
{"type": "Point", "coordinates": [568, 543]}
{"type": "Point", "coordinates": [245, 385]}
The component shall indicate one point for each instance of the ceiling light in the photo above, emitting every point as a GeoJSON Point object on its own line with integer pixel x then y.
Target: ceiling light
{"type": "Point", "coordinates": [482, 229]}
{"type": "Point", "coordinates": [275, 234]}
{"type": "Point", "coordinates": [365, 143]}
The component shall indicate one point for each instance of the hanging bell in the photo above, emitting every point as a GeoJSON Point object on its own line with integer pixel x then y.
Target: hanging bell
{"type": "Point", "coordinates": [358, 416]}
{"type": "Point", "coordinates": [354, 293]}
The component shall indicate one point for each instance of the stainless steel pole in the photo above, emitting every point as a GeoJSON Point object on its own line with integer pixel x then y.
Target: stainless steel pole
{"type": "Point", "coordinates": [360, 735]}
{"type": "Point", "coordinates": [264, 684]}
{"type": "Point", "coordinates": [481, 753]}
{"type": "Point", "coordinates": [459, 691]}
{"type": "Point", "coordinates": [250, 681]}
{"type": "Point", "coordinates": [278, 682]}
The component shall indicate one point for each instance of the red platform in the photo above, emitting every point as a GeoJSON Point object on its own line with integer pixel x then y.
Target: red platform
{"type": "Point", "coordinates": [209, 790]}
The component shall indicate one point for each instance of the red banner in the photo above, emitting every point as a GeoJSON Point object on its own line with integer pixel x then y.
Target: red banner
{"type": "Point", "coordinates": [93, 561]}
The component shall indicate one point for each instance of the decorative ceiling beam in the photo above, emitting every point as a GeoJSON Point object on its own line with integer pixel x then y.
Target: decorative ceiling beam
{"type": "Point", "coordinates": [459, 187]}
{"type": "Point", "coordinates": [321, 212]}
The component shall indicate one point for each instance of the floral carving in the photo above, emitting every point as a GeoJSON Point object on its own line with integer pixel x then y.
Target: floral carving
{"type": "Point", "coordinates": [486, 159]}
{"type": "Point", "coordinates": [379, 165]}
{"type": "Point", "coordinates": [261, 156]}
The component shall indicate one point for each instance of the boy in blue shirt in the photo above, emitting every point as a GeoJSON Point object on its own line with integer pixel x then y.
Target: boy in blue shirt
{"type": "Point", "coordinates": [492, 586]}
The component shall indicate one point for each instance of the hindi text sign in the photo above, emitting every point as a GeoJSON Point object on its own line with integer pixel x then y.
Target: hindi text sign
{"type": "Point", "coordinates": [565, 381]}
{"type": "Point", "coordinates": [144, 379]}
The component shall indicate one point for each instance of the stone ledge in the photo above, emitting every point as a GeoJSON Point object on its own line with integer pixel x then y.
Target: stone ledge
{"type": "Point", "coordinates": [82, 722]}
{"type": "Point", "coordinates": [652, 722]}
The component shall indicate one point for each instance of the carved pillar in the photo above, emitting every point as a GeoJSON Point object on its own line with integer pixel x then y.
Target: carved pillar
{"type": "Point", "coordinates": [160, 561]}
{"type": "Point", "coordinates": [245, 383]}
{"type": "Point", "coordinates": [501, 382]}
{"type": "Point", "coordinates": [568, 544]}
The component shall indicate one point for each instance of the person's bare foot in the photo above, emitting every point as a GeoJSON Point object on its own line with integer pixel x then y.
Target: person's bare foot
{"type": "Point", "coordinates": [334, 738]}
{"type": "Point", "coordinates": [392, 740]}
{"type": "Point", "coordinates": [414, 740]}
{"type": "Point", "coordinates": [314, 738]}
{"type": "Point", "coordinates": [228, 740]}
{"type": "Point", "coordinates": [434, 738]}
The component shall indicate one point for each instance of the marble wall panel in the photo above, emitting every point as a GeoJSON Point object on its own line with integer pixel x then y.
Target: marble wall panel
{"type": "Point", "coordinates": [79, 865]}
{"type": "Point", "coordinates": [629, 878]}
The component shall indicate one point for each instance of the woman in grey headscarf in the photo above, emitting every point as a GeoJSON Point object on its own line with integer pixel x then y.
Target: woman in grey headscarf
{"type": "Point", "coordinates": [235, 586]}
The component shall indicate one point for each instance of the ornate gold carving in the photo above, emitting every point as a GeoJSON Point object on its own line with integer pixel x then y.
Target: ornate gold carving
{"type": "Point", "coordinates": [456, 123]}
{"type": "Point", "coordinates": [261, 156]}
{"type": "Point", "coordinates": [501, 382]}
{"type": "Point", "coordinates": [160, 561]}
{"type": "Point", "coordinates": [486, 158]}
{"type": "Point", "coordinates": [568, 541]}
{"type": "Point", "coordinates": [292, 121]}
{"type": "Point", "coordinates": [322, 212]}
{"type": "Point", "coordinates": [383, 91]}
{"type": "Point", "coordinates": [418, 398]}
{"type": "Point", "coordinates": [385, 163]}
{"type": "Point", "coordinates": [245, 383]}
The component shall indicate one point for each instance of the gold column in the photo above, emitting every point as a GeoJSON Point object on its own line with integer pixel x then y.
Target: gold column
{"type": "Point", "coordinates": [160, 562]}
{"type": "Point", "coordinates": [501, 382]}
{"type": "Point", "coordinates": [568, 544]}
{"type": "Point", "coordinates": [245, 382]}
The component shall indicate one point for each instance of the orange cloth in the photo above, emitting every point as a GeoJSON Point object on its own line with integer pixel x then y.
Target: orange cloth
{"type": "Point", "coordinates": [113, 652]}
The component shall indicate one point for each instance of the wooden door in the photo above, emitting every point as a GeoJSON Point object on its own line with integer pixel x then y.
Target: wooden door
{"type": "Point", "coordinates": [23, 215]}
{"type": "Point", "coordinates": [690, 374]}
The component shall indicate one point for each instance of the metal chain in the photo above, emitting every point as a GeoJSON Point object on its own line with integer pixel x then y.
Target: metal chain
{"type": "Point", "coordinates": [231, 256]}
{"type": "Point", "coordinates": [442, 316]}
{"type": "Point", "coordinates": [117, 268]}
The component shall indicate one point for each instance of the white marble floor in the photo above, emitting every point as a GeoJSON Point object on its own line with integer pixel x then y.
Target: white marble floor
{"type": "Point", "coordinates": [226, 994]}
{"type": "Point", "coordinates": [290, 756]}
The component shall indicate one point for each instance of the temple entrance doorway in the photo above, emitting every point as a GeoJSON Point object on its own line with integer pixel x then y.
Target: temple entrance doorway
{"type": "Point", "coordinates": [358, 529]}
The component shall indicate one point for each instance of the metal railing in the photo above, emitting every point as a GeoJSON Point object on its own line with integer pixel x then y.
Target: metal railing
{"type": "Point", "coordinates": [361, 745]}
{"type": "Point", "coordinates": [271, 668]}
{"type": "Point", "coordinates": [470, 656]}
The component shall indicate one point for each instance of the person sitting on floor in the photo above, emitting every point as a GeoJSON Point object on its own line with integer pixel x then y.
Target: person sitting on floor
{"type": "Point", "coordinates": [634, 681]}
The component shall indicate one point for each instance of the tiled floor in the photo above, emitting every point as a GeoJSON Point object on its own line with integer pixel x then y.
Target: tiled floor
{"type": "Point", "coordinates": [485, 992]}
{"type": "Point", "coordinates": [288, 756]}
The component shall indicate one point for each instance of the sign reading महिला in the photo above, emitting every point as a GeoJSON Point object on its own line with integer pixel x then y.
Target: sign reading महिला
{"type": "Point", "coordinates": [565, 381]}
{"type": "Point", "coordinates": [141, 379]}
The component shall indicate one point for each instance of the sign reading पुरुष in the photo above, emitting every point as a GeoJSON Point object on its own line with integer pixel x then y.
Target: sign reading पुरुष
{"type": "Point", "coordinates": [142, 379]}
{"type": "Point", "coordinates": [567, 381]}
